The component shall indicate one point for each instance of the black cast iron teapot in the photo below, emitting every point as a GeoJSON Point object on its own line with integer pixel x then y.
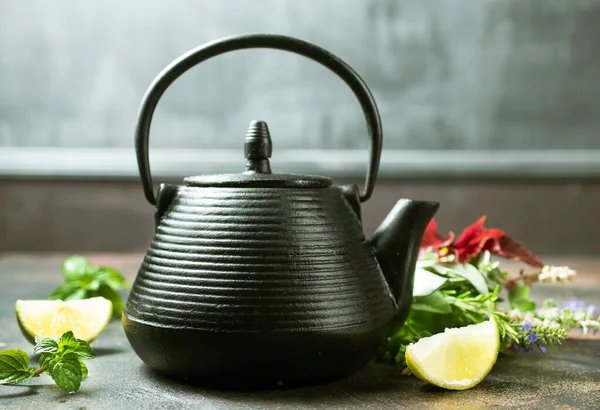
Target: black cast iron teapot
{"type": "Point", "coordinates": [260, 278]}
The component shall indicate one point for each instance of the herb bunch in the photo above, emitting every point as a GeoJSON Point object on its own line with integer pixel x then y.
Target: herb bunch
{"type": "Point", "coordinates": [61, 358]}
{"type": "Point", "coordinates": [457, 284]}
{"type": "Point", "coordinates": [84, 280]}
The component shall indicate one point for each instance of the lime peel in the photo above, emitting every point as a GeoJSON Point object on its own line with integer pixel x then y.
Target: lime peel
{"type": "Point", "coordinates": [458, 358]}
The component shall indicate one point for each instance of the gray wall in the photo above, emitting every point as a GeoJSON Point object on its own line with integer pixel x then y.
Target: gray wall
{"type": "Point", "coordinates": [447, 74]}
{"type": "Point", "coordinates": [467, 89]}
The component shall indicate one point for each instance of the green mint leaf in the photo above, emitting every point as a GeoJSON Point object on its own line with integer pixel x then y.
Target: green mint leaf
{"type": "Point", "coordinates": [16, 376]}
{"type": "Point", "coordinates": [525, 305]}
{"type": "Point", "coordinates": [112, 277]}
{"type": "Point", "coordinates": [84, 351]}
{"type": "Point", "coordinates": [68, 291]}
{"type": "Point", "coordinates": [67, 338]}
{"type": "Point", "coordinates": [78, 294]}
{"type": "Point", "coordinates": [66, 372]}
{"type": "Point", "coordinates": [426, 282]}
{"type": "Point", "coordinates": [64, 290]}
{"type": "Point", "coordinates": [13, 359]}
{"type": "Point", "coordinates": [434, 303]}
{"type": "Point", "coordinates": [94, 285]}
{"type": "Point", "coordinates": [83, 281]}
{"type": "Point", "coordinates": [69, 344]}
{"type": "Point", "coordinates": [14, 367]}
{"type": "Point", "coordinates": [84, 370]}
{"type": "Point", "coordinates": [45, 345]}
{"type": "Point", "coordinates": [518, 297]}
{"type": "Point", "coordinates": [75, 267]}
{"type": "Point", "coordinates": [109, 293]}
{"type": "Point", "coordinates": [46, 358]}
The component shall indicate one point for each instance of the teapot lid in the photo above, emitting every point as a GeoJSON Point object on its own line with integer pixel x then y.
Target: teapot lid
{"type": "Point", "coordinates": [257, 150]}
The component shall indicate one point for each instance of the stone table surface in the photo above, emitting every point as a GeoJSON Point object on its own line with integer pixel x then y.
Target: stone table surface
{"type": "Point", "coordinates": [568, 377]}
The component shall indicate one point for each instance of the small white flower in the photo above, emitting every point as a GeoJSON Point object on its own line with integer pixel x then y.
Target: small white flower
{"type": "Point", "coordinates": [579, 315]}
{"type": "Point", "coordinates": [536, 322]}
{"type": "Point", "coordinates": [516, 315]}
{"type": "Point", "coordinates": [550, 323]}
{"type": "Point", "coordinates": [548, 313]}
{"type": "Point", "coordinates": [551, 273]}
{"type": "Point", "coordinates": [529, 317]}
{"type": "Point", "coordinates": [551, 313]}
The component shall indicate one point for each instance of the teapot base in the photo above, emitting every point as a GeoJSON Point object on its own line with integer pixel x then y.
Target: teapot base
{"type": "Point", "coordinates": [255, 360]}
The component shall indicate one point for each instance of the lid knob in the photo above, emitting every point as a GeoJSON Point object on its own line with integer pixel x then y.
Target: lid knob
{"type": "Point", "coordinates": [258, 148]}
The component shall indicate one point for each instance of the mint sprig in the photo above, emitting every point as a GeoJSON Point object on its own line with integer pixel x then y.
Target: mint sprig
{"type": "Point", "coordinates": [61, 358]}
{"type": "Point", "coordinates": [84, 280]}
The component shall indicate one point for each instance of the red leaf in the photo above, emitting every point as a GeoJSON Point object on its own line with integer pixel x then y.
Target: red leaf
{"type": "Point", "coordinates": [511, 249]}
{"type": "Point", "coordinates": [432, 238]}
{"type": "Point", "coordinates": [470, 233]}
{"type": "Point", "coordinates": [476, 239]}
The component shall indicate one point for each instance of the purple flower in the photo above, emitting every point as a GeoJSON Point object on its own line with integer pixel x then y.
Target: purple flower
{"type": "Point", "coordinates": [532, 337]}
{"type": "Point", "coordinates": [542, 349]}
{"type": "Point", "coordinates": [514, 346]}
{"type": "Point", "coordinates": [574, 304]}
{"type": "Point", "coordinates": [528, 349]}
{"type": "Point", "coordinates": [525, 327]}
{"type": "Point", "coordinates": [592, 310]}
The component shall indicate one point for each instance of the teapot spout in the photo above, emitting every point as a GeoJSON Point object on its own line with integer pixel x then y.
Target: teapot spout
{"type": "Point", "coordinates": [396, 244]}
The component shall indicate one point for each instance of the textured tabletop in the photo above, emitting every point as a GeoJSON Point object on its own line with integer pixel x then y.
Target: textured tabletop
{"type": "Point", "coordinates": [567, 377]}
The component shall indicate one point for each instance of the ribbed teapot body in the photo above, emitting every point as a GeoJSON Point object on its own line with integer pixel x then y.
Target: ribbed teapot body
{"type": "Point", "coordinates": [252, 269]}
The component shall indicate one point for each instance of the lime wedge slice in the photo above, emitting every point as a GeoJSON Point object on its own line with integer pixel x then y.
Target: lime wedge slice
{"type": "Point", "coordinates": [458, 358]}
{"type": "Point", "coordinates": [86, 318]}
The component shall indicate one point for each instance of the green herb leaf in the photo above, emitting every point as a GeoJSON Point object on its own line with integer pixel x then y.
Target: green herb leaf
{"type": "Point", "coordinates": [83, 281]}
{"type": "Point", "coordinates": [84, 351]}
{"type": "Point", "coordinates": [474, 276]}
{"type": "Point", "coordinates": [46, 358]}
{"type": "Point", "coordinates": [84, 370]}
{"type": "Point", "coordinates": [109, 293]}
{"type": "Point", "coordinates": [518, 293]}
{"type": "Point", "coordinates": [75, 267]}
{"type": "Point", "coordinates": [468, 272]}
{"type": "Point", "coordinates": [434, 303]}
{"type": "Point", "coordinates": [519, 299]}
{"type": "Point", "coordinates": [112, 278]}
{"type": "Point", "coordinates": [426, 282]}
{"type": "Point", "coordinates": [69, 290]}
{"type": "Point", "coordinates": [486, 258]}
{"type": "Point", "coordinates": [66, 372]}
{"type": "Point", "coordinates": [14, 367]}
{"type": "Point", "coordinates": [93, 285]}
{"type": "Point", "coordinates": [78, 294]}
{"type": "Point", "coordinates": [45, 345]}
{"type": "Point", "coordinates": [67, 342]}
{"type": "Point", "coordinates": [525, 305]}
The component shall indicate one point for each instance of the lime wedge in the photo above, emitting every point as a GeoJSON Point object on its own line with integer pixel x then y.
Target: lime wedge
{"type": "Point", "coordinates": [86, 318]}
{"type": "Point", "coordinates": [457, 359]}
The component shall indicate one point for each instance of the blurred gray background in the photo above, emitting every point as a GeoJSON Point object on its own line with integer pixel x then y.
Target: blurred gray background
{"type": "Point", "coordinates": [491, 107]}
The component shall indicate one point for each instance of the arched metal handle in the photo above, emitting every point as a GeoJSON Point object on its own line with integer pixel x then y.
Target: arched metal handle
{"type": "Point", "coordinates": [208, 50]}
